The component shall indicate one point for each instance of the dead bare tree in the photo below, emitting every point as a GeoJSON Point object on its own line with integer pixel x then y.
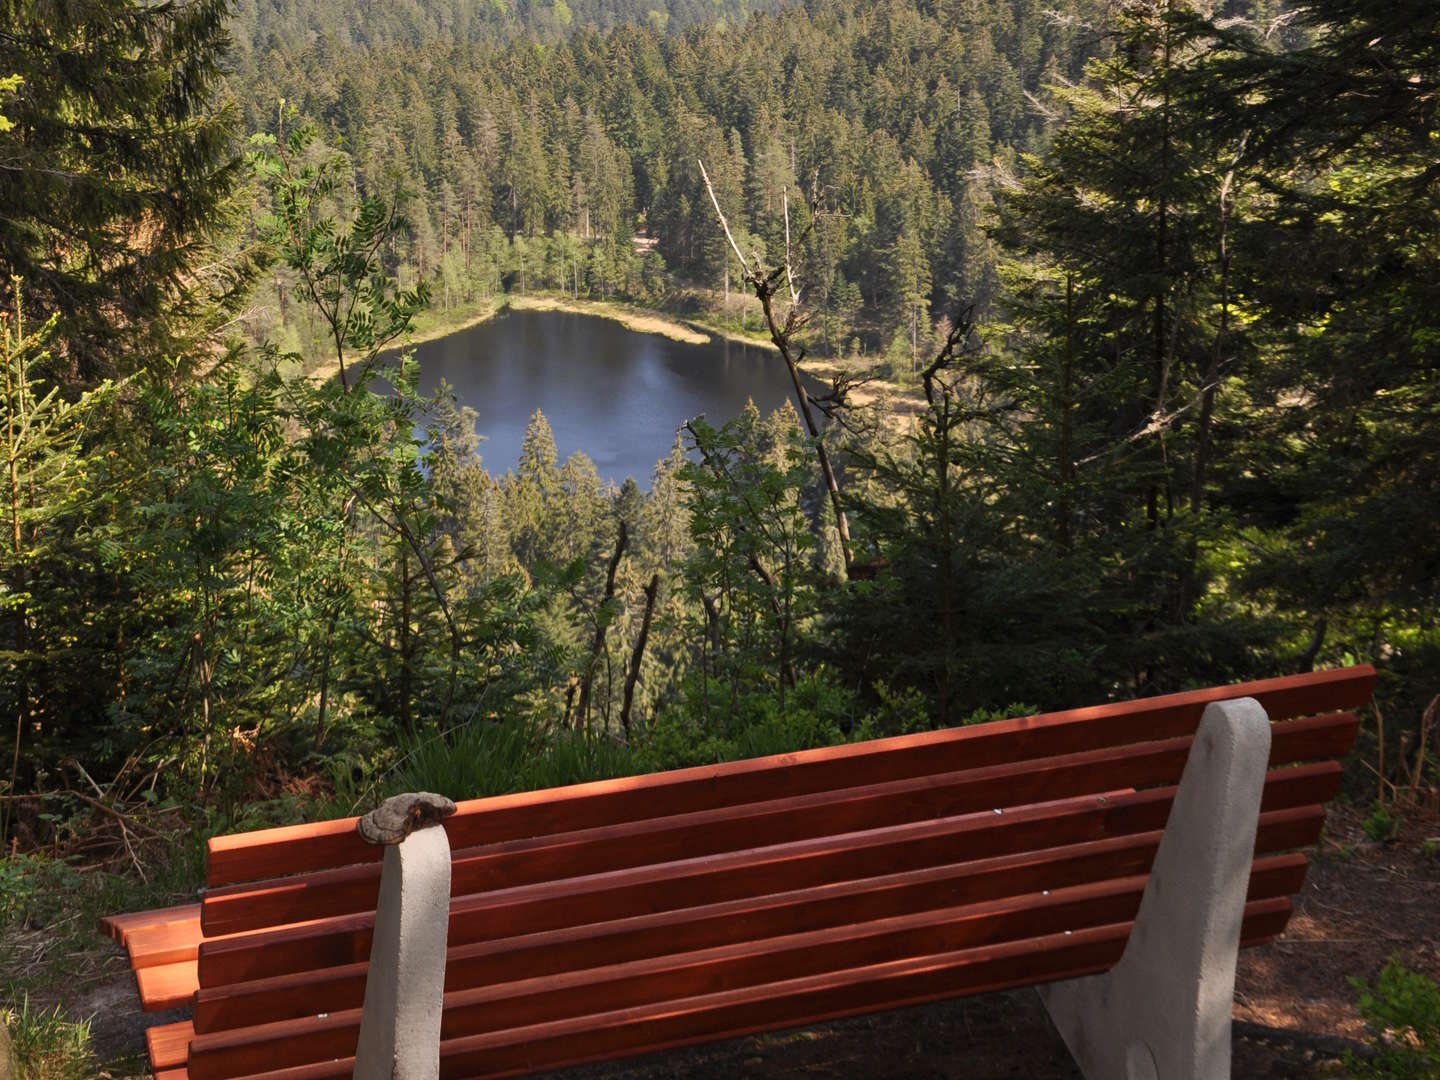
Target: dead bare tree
{"type": "Point", "coordinates": [766, 284]}
{"type": "Point", "coordinates": [602, 622]}
{"type": "Point", "coordinates": [638, 655]}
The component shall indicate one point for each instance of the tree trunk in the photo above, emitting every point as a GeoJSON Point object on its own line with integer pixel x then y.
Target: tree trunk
{"type": "Point", "coordinates": [1067, 452]}
{"type": "Point", "coordinates": [405, 679]}
{"type": "Point", "coordinates": [1160, 353]}
{"type": "Point", "coordinates": [633, 675]}
{"type": "Point", "coordinates": [598, 645]}
{"type": "Point", "coordinates": [782, 342]}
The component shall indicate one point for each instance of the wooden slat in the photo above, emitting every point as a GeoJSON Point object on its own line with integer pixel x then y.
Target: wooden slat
{"type": "Point", "coordinates": [756, 918]}
{"type": "Point", "coordinates": [746, 962]}
{"type": "Point", "coordinates": [303, 848]}
{"type": "Point", "coordinates": [599, 850]}
{"type": "Point", "coordinates": [168, 986]}
{"type": "Point", "coordinates": [549, 906]}
{"type": "Point", "coordinates": [803, 1001]}
{"type": "Point", "coordinates": [164, 943]}
{"type": "Point", "coordinates": [168, 1044]}
{"type": "Point", "coordinates": [173, 1074]}
{"type": "Point", "coordinates": [118, 927]}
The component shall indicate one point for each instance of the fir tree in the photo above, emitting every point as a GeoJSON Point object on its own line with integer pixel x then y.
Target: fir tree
{"type": "Point", "coordinates": [116, 174]}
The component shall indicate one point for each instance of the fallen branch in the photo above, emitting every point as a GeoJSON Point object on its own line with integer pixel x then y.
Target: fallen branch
{"type": "Point", "coordinates": [123, 818]}
{"type": "Point", "coordinates": [1330, 1045]}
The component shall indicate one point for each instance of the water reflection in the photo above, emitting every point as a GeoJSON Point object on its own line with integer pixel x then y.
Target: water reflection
{"type": "Point", "coordinates": [615, 394]}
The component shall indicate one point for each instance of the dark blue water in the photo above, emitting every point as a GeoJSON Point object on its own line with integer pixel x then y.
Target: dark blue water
{"type": "Point", "coordinates": [615, 394]}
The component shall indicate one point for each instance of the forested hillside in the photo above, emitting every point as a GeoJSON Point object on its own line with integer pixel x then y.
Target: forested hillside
{"type": "Point", "coordinates": [293, 26]}
{"type": "Point", "coordinates": [531, 162]}
{"type": "Point", "coordinates": [1161, 278]}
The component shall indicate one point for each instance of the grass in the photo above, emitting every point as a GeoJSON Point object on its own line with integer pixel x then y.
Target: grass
{"type": "Point", "coordinates": [46, 1045]}
{"type": "Point", "coordinates": [54, 955]}
{"type": "Point", "coordinates": [483, 759]}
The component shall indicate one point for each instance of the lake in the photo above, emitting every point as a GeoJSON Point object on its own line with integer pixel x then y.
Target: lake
{"type": "Point", "coordinates": [615, 394]}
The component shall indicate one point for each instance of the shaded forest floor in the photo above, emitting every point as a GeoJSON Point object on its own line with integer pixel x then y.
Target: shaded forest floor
{"type": "Point", "coordinates": [1363, 903]}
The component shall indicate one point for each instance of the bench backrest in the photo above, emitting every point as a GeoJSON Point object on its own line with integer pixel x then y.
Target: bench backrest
{"type": "Point", "coordinates": [760, 892]}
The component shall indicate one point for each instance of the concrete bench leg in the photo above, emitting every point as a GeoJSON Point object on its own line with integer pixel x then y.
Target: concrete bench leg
{"type": "Point", "coordinates": [1163, 1012]}
{"type": "Point", "coordinates": [404, 991]}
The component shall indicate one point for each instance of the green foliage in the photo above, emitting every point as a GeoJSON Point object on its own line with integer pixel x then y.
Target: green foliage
{"type": "Point", "coordinates": [1197, 440]}
{"type": "Point", "coordinates": [752, 570]}
{"type": "Point", "coordinates": [528, 176]}
{"type": "Point", "coordinates": [1402, 1010]}
{"type": "Point", "coordinates": [1381, 825]}
{"type": "Point", "coordinates": [986, 716]}
{"type": "Point", "coordinates": [119, 176]}
{"type": "Point", "coordinates": [25, 880]}
{"type": "Point", "coordinates": [499, 757]}
{"type": "Point", "coordinates": [338, 269]}
{"type": "Point", "coordinates": [8, 85]}
{"type": "Point", "coordinates": [50, 483]}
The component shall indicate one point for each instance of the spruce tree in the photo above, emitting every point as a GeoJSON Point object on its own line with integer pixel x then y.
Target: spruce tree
{"type": "Point", "coordinates": [116, 174]}
{"type": "Point", "coordinates": [1342, 472]}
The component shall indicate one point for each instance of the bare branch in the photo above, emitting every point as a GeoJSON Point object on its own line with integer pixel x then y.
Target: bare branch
{"type": "Point", "coordinates": [789, 259]}
{"type": "Point", "coordinates": [723, 223]}
{"type": "Point", "coordinates": [836, 404]}
{"type": "Point", "coordinates": [959, 334]}
{"type": "Point", "coordinates": [1158, 423]}
{"type": "Point", "coordinates": [764, 286]}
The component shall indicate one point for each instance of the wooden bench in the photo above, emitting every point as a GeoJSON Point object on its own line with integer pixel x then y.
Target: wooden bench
{"type": "Point", "coordinates": [614, 918]}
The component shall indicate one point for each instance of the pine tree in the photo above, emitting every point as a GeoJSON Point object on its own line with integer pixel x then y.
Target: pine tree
{"type": "Point", "coordinates": [1114, 312]}
{"type": "Point", "coordinates": [1343, 470]}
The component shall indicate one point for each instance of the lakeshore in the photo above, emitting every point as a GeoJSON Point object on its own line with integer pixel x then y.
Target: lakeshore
{"type": "Point", "coordinates": [433, 325]}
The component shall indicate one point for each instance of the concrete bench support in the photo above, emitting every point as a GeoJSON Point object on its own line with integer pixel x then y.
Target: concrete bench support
{"type": "Point", "coordinates": [405, 988]}
{"type": "Point", "coordinates": [1163, 1012]}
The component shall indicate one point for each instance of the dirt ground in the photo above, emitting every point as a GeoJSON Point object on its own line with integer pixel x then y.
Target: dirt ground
{"type": "Point", "coordinates": [1362, 903]}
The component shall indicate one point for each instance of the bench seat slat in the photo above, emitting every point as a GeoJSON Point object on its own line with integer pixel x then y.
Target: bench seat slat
{"type": "Point", "coordinates": [743, 963]}
{"type": "Point", "coordinates": [168, 986]}
{"type": "Point", "coordinates": [119, 927]}
{"type": "Point", "coordinates": [163, 944]}
{"type": "Point", "coordinates": [168, 1044]}
{"type": "Point", "coordinates": [752, 918]}
{"type": "Point", "coordinates": [752, 872]}
{"type": "Point", "coordinates": [598, 850]}
{"type": "Point", "coordinates": [807, 1000]}
{"type": "Point", "coordinates": [303, 848]}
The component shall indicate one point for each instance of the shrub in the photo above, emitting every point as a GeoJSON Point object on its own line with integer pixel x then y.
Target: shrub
{"type": "Point", "coordinates": [1402, 1009]}
{"type": "Point", "coordinates": [1380, 826]}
